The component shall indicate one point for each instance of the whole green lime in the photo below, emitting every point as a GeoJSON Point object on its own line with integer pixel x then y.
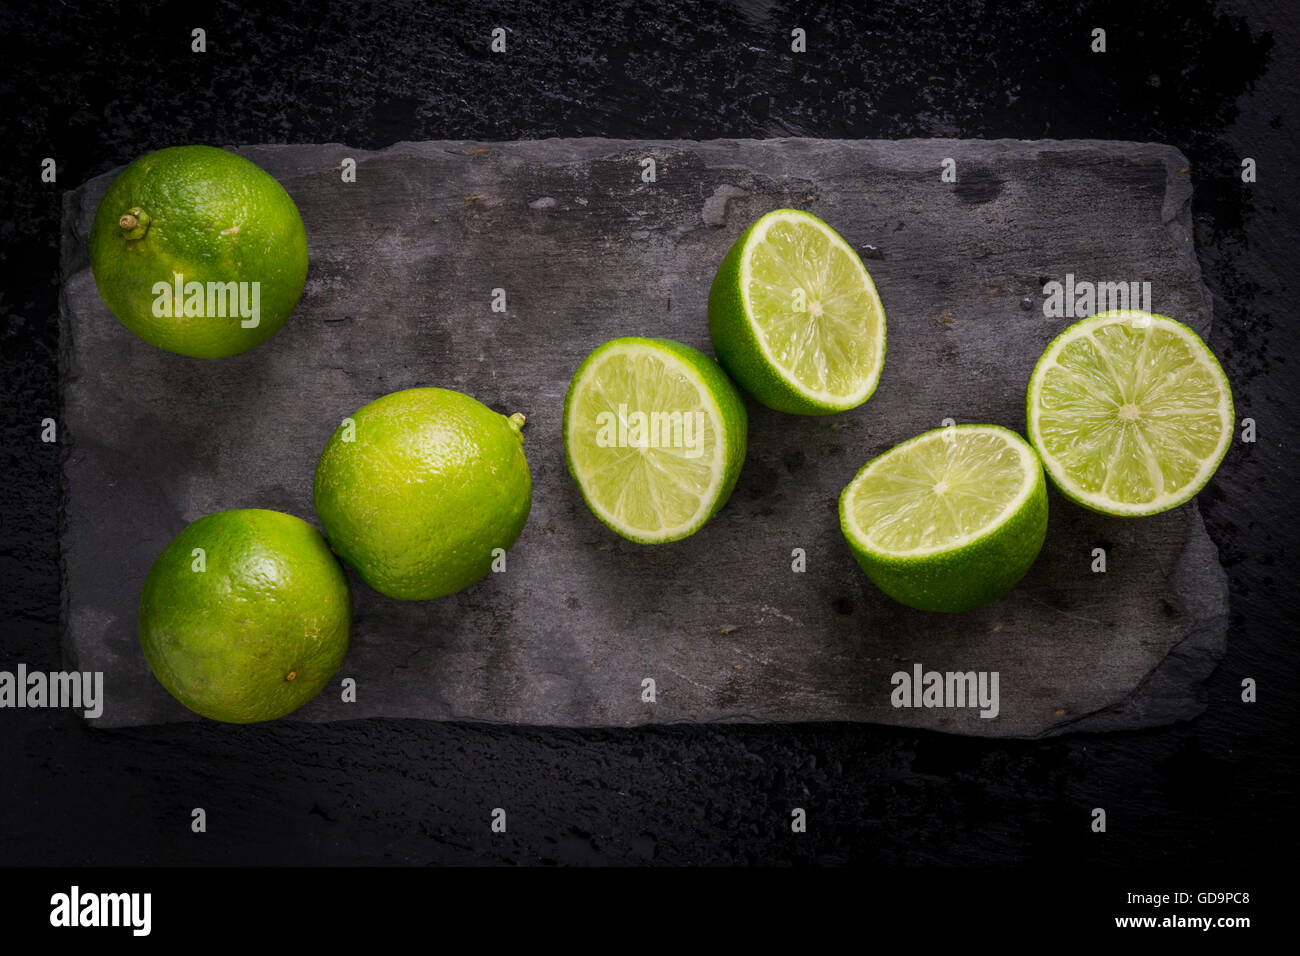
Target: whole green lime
{"type": "Point", "coordinates": [421, 490]}
{"type": "Point", "coordinates": [199, 251]}
{"type": "Point", "coordinates": [245, 615]}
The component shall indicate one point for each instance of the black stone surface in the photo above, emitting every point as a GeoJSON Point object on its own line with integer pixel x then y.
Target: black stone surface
{"type": "Point", "coordinates": [95, 89]}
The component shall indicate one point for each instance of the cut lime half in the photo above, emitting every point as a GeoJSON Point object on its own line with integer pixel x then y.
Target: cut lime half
{"type": "Point", "coordinates": [654, 435]}
{"type": "Point", "coordinates": [950, 519]}
{"type": "Point", "coordinates": [795, 317]}
{"type": "Point", "coordinates": [1130, 412]}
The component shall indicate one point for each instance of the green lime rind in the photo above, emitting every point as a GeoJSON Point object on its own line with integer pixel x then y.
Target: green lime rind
{"type": "Point", "coordinates": [257, 633]}
{"type": "Point", "coordinates": [980, 569]}
{"type": "Point", "coordinates": [212, 216]}
{"type": "Point", "coordinates": [431, 483]}
{"type": "Point", "coordinates": [738, 343]}
{"type": "Point", "coordinates": [1054, 467]}
{"type": "Point", "coordinates": [727, 408]}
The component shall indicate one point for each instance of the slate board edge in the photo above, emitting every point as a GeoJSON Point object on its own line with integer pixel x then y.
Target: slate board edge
{"type": "Point", "coordinates": [1187, 665]}
{"type": "Point", "coordinates": [1189, 662]}
{"type": "Point", "coordinates": [74, 254]}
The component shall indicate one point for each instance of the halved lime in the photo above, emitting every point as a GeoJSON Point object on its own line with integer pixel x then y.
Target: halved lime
{"type": "Point", "coordinates": [654, 435]}
{"type": "Point", "coordinates": [1130, 412]}
{"type": "Point", "coordinates": [795, 318]}
{"type": "Point", "coordinates": [950, 519]}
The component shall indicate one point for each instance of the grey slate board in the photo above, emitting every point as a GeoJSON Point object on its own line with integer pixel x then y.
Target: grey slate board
{"type": "Point", "coordinates": [403, 266]}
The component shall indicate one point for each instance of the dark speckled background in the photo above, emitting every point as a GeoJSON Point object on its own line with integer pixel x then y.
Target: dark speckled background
{"type": "Point", "coordinates": [95, 90]}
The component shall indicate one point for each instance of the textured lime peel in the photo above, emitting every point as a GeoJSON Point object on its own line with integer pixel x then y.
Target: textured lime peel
{"type": "Point", "coordinates": [206, 219]}
{"type": "Point", "coordinates": [795, 317]}
{"type": "Point", "coordinates": [245, 616]}
{"type": "Point", "coordinates": [654, 436]}
{"type": "Point", "coordinates": [1130, 412]}
{"type": "Point", "coordinates": [422, 490]}
{"type": "Point", "coordinates": [950, 519]}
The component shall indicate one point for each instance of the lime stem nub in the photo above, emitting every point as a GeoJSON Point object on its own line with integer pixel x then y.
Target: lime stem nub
{"type": "Point", "coordinates": [516, 422]}
{"type": "Point", "coordinates": [134, 223]}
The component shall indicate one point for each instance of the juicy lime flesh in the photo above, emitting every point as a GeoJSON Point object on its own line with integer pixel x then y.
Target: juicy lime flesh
{"type": "Point", "coordinates": [933, 494]}
{"type": "Point", "coordinates": [814, 307]}
{"type": "Point", "coordinates": [649, 485]}
{"type": "Point", "coordinates": [1132, 414]}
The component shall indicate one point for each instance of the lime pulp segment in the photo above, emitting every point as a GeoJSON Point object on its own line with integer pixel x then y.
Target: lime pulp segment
{"type": "Point", "coordinates": [647, 440]}
{"type": "Point", "coordinates": [1131, 412]}
{"type": "Point", "coordinates": [814, 308]}
{"type": "Point", "coordinates": [940, 490]}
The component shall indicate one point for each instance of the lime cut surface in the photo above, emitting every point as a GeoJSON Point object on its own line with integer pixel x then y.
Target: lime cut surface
{"type": "Point", "coordinates": [1130, 412]}
{"type": "Point", "coordinates": [654, 435]}
{"type": "Point", "coordinates": [795, 317]}
{"type": "Point", "coordinates": [950, 519]}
